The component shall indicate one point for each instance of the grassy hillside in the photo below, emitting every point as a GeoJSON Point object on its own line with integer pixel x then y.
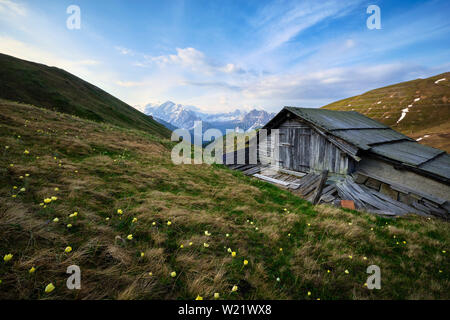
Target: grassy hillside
{"type": "Point", "coordinates": [427, 118]}
{"type": "Point", "coordinates": [95, 169]}
{"type": "Point", "coordinates": [58, 90]}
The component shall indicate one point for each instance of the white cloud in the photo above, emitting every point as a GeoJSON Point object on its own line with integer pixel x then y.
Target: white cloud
{"type": "Point", "coordinates": [12, 8]}
{"type": "Point", "coordinates": [193, 60]}
{"type": "Point", "coordinates": [124, 51]}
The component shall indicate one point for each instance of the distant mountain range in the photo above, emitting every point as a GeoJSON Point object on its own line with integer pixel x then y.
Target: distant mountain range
{"type": "Point", "coordinates": [174, 115]}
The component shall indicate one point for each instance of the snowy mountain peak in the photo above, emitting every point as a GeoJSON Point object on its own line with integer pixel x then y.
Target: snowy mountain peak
{"type": "Point", "coordinates": [184, 117]}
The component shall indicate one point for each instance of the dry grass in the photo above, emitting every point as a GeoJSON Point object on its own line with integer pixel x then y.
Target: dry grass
{"type": "Point", "coordinates": [100, 168]}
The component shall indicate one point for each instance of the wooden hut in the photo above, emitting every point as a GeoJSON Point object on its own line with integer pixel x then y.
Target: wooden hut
{"type": "Point", "coordinates": [363, 160]}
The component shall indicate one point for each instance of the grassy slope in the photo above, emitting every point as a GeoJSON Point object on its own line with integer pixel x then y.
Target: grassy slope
{"type": "Point", "coordinates": [100, 168]}
{"type": "Point", "coordinates": [56, 89]}
{"type": "Point", "coordinates": [428, 116]}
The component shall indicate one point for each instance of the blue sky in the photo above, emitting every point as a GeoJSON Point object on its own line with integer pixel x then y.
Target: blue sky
{"type": "Point", "coordinates": [223, 55]}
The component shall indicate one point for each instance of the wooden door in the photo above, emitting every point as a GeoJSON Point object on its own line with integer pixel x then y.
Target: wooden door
{"type": "Point", "coordinates": [295, 149]}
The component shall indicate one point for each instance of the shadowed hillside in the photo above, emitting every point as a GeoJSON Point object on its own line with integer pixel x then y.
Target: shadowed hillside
{"type": "Point", "coordinates": [424, 103]}
{"type": "Point", "coordinates": [58, 90]}
{"type": "Point", "coordinates": [145, 228]}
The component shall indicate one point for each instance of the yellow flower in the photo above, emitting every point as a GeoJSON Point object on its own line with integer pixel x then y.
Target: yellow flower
{"type": "Point", "coordinates": [32, 270]}
{"type": "Point", "coordinates": [55, 220]}
{"type": "Point", "coordinates": [49, 288]}
{"type": "Point", "coordinates": [245, 262]}
{"type": "Point", "coordinates": [68, 249]}
{"type": "Point", "coordinates": [47, 200]}
{"type": "Point", "coordinates": [205, 245]}
{"type": "Point", "coordinates": [309, 293]}
{"type": "Point", "coordinates": [233, 254]}
{"type": "Point", "coordinates": [21, 177]}
{"type": "Point", "coordinates": [251, 223]}
{"type": "Point", "coordinates": [328, 271]}
{"type": "Point", "coordinates": [346, 271]}
{"type": "Point", "coordinates": [142, 254]}
{"type": "Point", "coordinates": [107, 219]}
{"type": "Point", "coordinates": [216, 295]}
{"type": "Point", "coordinates": [27, 174]}
{"type": "Point", "coordinates": [150, 274]}
{"type": "Point", "coordinates": [350, 223]}
{"type": "Point", "coordinates": [364, 258]}
{"type": "Point", "coordinates": [41, 204]}
{"type": "Point", "coordinates": [229, 250]}
{"type": "Point", "coordinates": [207, 233]}
{"type": "Point", "coordinates": [190, 243]}
{"type": "Point", "coordinates": [350, 257]}
{"type": "Point", "coordinates": [14, 195]}
{"type": "Point", "coordinates": [11, 165]}
{"type": "Point", "coordinates": [7, 257]}
{"type": "Point", "coordinates": [69, 225]}
{"type": "Point", "coordinates": [404, 242]}
{"type": "Point", "coordinates": [130, 237]}
{"type": "Point", "coordinates": [289, 234]}
{"type": "Point", "coordinates": [119, 211]}
{"type": "Point", "coordinates": [134, 220]}
{"type": "Point", "coordinates": [199, 298]}
{"type": "Point", "coordinates": [234, 289]}
{"type": "Point", "coordinates": [169, 223]}
{"type": "Point", "coordinates": [154, 224]}
{"type": "Point", "coordinates": [281, 249]}
{"type": "Point", "coordinates": [181, 246]}
{"type": "Point", "coordinates": [173, 274]}
{"type": "Point", "coordinates": [309, 224]}
{"type": "Point", "coordinates": [26, 151]}
{"type": "Point", "coordinates": [15, 187]}
{"type": "Point", "coordinates": [22, 189]}
{"type": "Point", "coordinates": [56, 189]}
{"type": "Point", "coordinates": [54, 198]}
{"type": "Point", "coordinates": [443, 251]}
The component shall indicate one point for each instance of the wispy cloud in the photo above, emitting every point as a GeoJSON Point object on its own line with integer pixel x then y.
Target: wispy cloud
{"type": "Point", "coordinates": [12, 8]}
{"type": "Point", "coordinates": [193, 60]}
{"type": "Point", "coordinates": [124, 51]}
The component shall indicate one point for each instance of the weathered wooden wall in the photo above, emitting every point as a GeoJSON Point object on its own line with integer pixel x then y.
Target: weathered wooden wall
{"type": "Point", "coordinates": [302, 148]}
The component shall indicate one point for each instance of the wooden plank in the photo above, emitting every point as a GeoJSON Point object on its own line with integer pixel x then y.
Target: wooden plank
{"type": "Point", "coordinates": [291, 172]}
{"type": "Point", "coordinates": [269, 179]}
{"type": "Point", "coordinates": [323, 179]}
{"type": "Point", "coordinates": [252, 171]}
